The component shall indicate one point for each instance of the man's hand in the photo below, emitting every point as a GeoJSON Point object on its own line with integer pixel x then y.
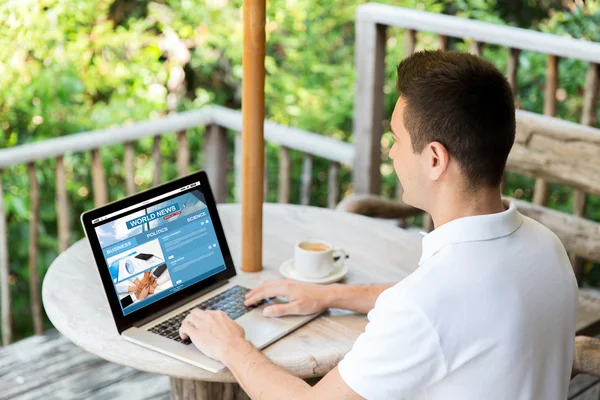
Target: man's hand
{"type": "Point", "coordinates": [213, 332]}
{"type": "Point", "coordinates": [303, 298]}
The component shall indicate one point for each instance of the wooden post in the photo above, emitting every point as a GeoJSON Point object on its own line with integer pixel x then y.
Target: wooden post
{"type": "Point", "coordinates": [34, 283]}
{"type": "Point", "coordinates": [5, 302]}
{"type": "Point", "coordinates": [237, 166]}
{"type": "Point", "coordinates": [590, 96]}
{"type": "Point", "coordinates": [62, 206]}
{"type": "Point", "coordinates": [306, 180]}
{"type": "Point", "coordinates": [215, 161]}
{"type": "Point", "coordinates": [443, 42]}
{"type": "Point", "coordinates": [513, 66]}
{"type": "Point", "coordinates": [129, 167]}
{"type": "Point", "coordinates": [253, 141]}
{"type": "Point", "coordinates": [591, 92]}
{"type": "Point", "coordinates": [98, 179]}
{"type": "Point", "coordinates": [410, 40]}
{"type": "Point", "coordinates": [368, 106]}
{"type": "Point", "coordinates": [156, 160]}
{"type": "Point", "coordinates": [266, 179]}
{"type": "Point", "coordinates": [540, 193]}
{"type": "Point", "coordinates": [551, 85]}
{"type": "Point", "coordinates": [476, 48]}
{"type": "Point", "coordinates": [283, 194]}
{"type": "Point", "coordinates": [183, 153]}
{"type": "Point", "coordinates": [333, 187]}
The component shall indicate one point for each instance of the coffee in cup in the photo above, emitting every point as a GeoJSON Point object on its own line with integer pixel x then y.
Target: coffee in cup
{"type": "Point", "coordinates": [313, 246]}
{"type": "Point", "coordinates": [315, 259]}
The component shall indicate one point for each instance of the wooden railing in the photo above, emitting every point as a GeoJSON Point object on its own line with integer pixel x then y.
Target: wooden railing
{"type": "Point", "coordinates": [364, 155]}
{"type": "Point", "coordinates": [372, 21]}
{"type": "Point", "coordinates": [217, 120]}
{"type": "Point", "coordinates": [371, 26]}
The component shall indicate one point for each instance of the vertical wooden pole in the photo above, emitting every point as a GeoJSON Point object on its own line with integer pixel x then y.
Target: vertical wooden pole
{"type": "Point", "coordinates": [306, 184]}
{"type": "Point", "coordinates": [156, 158]}
{"type": "Point", "coordinates": [183, 153]}
{"type": "Point", "coordinates": [215, 160]}
{"type": "Point", "coordinates": [266, 180]}
{"type": "Point", "coordinates": [333, 187]}
{"type": "Point", "coordinates": [283, 190]}
{"type": "Point", "coordinates": [443, 43]}
{"type": "Point", "coordinates": [591, 92]}
{"type": "Point", "coordinates": [62, 206]}
{"type": "Point", "coordinates": [410, 41]}
{"type": "Point", "coordinates": [237, 165]}
{"type": "Point", "coordinates": [540, 193]}
{"type": "Point", "coordinates": [476, 48]}
{"type": "Point", "coordinates": [34, 283]}
{"type": "Point", "coordinates": [5, 301]}
{"type": "Point", "coordinates": [513, 66]}
{"type": "Point", "coordinates": [129, 166]}
{"type": "Point", "coordinates": [253, 141]}
{"type": "Point", "coordinates": [368, 106]}
{"type": "Point", "coordinates": [98, 179]}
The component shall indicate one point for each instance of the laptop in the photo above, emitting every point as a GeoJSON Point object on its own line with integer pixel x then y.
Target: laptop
{"type": "Point", "coordinates": [160, 254]}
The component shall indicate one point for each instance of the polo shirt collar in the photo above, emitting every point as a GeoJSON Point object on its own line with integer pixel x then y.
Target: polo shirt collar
{"type": "Point", "coordinates": [472, 229]}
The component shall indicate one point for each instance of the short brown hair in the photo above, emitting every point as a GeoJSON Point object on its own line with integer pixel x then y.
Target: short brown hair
{"type": "Point", "coordinates": [464, 102]}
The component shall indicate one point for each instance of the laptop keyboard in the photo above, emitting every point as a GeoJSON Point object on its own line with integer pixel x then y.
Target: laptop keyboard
{"type": "Point", "coordinates": [230, 301]}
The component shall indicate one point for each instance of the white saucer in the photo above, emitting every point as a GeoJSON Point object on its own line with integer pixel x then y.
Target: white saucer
{"type": "Point", "coordinates": [287, 269]}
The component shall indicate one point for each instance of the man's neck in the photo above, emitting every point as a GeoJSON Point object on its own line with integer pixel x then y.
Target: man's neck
{"type": "Point", "coordinates": [465, 204]}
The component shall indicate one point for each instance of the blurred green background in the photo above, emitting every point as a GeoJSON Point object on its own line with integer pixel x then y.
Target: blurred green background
{"type": "Point", "coordinates": [68, 66]}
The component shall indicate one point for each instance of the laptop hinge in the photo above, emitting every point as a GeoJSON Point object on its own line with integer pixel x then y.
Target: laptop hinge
{"type": "Point", "coordinates": [180, 303]}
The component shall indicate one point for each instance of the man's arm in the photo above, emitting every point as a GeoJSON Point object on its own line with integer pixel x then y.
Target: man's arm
{"type": "Point", "coordinates": [216, 335]}
{"type": "Point", "coordinates": [262, 379]}
{"type": "Point", "coordinates": [309, 298]}
{"type": "Point", "coordinates": [359, 298]}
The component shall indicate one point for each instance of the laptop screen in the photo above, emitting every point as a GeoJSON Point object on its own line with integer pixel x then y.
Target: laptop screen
{"type": "Point", "coordinates": [159, 246]}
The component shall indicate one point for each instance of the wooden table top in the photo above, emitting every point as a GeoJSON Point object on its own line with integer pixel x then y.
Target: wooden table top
{"type": "Point", "coordinates": [74, 298]}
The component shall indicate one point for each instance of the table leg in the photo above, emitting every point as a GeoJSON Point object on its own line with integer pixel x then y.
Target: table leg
{"type": "Point", "coordinates": [186, 389]}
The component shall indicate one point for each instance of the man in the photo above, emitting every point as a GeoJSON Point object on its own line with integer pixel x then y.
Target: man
{"type": "Point", "coordinates": [490, 312]}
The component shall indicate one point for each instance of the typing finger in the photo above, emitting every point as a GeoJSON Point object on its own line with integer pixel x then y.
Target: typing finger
{"type": "Point", "coordinates": [184, 330]}
{"type": "Point", "coordinates": [267, 290]}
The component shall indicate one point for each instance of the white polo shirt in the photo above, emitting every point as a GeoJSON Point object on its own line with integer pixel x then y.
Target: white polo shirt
{"type": "Point", "coordinates": [489, 314]}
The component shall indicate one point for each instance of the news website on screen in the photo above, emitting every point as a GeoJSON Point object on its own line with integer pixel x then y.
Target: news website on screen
{"type": "Point", "coordinates": [159, 246]}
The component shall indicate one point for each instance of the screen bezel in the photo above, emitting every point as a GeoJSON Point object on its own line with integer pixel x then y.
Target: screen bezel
{"type": "Point", "coordinates": [124, 322]}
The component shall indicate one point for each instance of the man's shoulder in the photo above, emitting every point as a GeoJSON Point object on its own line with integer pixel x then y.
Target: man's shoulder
{"type": "Point", "coordinates": [537, 241]}
{"type": "Point", "coordinates": [532, 227]}
{"type": "Point", "coordinates": [460, 269]}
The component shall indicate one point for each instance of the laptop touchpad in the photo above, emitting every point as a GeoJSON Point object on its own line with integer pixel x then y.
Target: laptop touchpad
{"type": "Point", "coordinates": [260, 329]}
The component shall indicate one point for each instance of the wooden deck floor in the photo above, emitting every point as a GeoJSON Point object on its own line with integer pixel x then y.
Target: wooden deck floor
{"type": "Point", "coordinates": [51, 367]}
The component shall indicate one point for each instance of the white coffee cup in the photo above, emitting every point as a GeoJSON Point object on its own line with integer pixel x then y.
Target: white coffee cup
{"type": "Point", "coordinates": [314, 258]}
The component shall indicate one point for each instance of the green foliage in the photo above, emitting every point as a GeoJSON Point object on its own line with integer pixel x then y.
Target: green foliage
{"type": "Point", "coordinates": [69, 66]}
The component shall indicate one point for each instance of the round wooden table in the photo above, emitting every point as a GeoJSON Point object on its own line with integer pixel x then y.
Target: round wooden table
{"type": "Point", "coordinates": [75, 302]}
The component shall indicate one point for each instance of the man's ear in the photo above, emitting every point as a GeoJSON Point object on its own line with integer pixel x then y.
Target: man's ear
{"type": "Point", "coordinates": [438, 159]}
